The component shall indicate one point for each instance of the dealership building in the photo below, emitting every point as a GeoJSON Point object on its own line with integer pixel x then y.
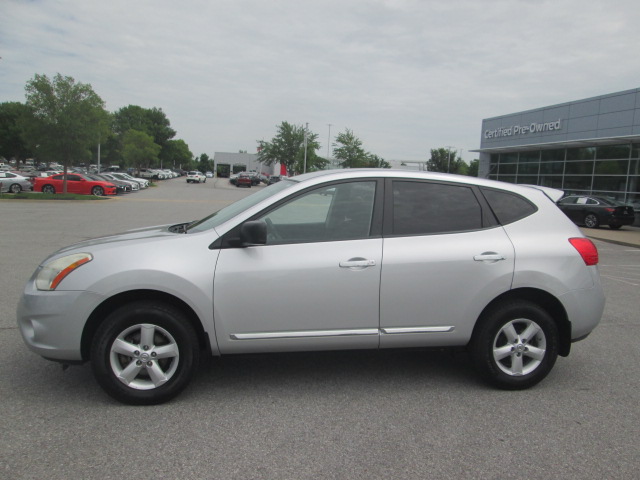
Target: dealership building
{"type": "Point", "coordinates": [587, 146]}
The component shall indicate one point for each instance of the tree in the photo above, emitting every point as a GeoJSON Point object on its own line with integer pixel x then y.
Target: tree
{"type": "Point", "coordinates": [68, 118]}
{"type": "Point", "coordinates": [175, 154]}
{"type": "Point", "coordinates": [348, 149]}
{"type": "Point", "coordinates": [13, 116]}
{"type": "Point", "coordinates": [446, 160]}
{"type": "Point", "coordinates": [139, 149]}
{"type": "Point", "coordinates": [374, 161]}
{"type": "Point", "coordinates": [205, 164]}
{"type": "Point", "coordinates": [473, 168]}
{"type": "Point", "coordinates": [151, 121]}
{"type": "Point", "coordinates": [287, 148]}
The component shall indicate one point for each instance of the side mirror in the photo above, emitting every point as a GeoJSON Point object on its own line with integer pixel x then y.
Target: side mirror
{"type": "Point", "coordinates": [253, 233]}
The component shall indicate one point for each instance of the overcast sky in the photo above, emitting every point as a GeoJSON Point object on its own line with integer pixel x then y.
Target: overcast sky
{"type": "Point", "coordinates": [405, 75]}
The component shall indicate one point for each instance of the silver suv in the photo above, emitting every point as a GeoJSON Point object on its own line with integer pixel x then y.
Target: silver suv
{"type": "Point", "coordinates": [351, 259]}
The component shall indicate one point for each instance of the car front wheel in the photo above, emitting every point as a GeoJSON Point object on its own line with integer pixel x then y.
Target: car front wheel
{"type": "Point", "coordinates": [97, 191]}
{"type": "Point", "coordinates": [144, 353]}
{"type": "Point", "coordinates": [515, 345]}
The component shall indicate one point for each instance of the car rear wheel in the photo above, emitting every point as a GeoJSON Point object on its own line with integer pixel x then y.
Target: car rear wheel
{"type": "Point", "coordinates": [515, 345]}
{"type": "Point", "coordinates": [15, 188]}
{"type": "Point", "coordinates": [48, 189]}
{"type": "Point", "coordinates": [591, 221]}
{"type": "Point", "coordinates": [144, 353]}
{"type": "Point", "coordinates": [97, 191]}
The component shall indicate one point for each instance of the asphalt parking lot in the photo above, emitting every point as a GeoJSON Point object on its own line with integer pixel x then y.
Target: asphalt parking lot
{"type": "Point", "coordinates": [340, 415]}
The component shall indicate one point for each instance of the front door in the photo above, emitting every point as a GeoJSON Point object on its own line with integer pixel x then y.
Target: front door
{"type": "Point", "coordinates": [313, 286]}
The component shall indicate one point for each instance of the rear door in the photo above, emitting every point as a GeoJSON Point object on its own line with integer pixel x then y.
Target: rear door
{"type": "Point", "coordinates": [445, 259]}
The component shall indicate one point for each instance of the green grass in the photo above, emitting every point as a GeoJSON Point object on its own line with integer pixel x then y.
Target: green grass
{"type": "Point", "coordinates": [47, 196]}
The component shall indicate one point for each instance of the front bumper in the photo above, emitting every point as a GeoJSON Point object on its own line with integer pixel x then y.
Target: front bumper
{"type": "Point", "coordinates": [51, 323]}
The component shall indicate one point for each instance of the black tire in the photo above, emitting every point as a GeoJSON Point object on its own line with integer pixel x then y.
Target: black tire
{"type": "Point", "coordinates": [15, 188]}
{"type": "Point", "coordinates": [165, 361]}
{"type": "Point", "coordinates": [502, 354]}
{"type": "Point", "coordinates": [615, 227]}
{"type": "Point", "coordinates": [591, 220]}
{"type": "Point", "coordinates": [48, 189]}
{"type": "Point", "coordinates": [97, 191]}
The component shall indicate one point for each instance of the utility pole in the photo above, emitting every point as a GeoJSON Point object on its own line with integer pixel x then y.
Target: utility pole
{"type": "Point", "coordinates": [305, 148]}
{"type": "Point", "coordinates": [328, 141]}
{"type": "Point", "coordinates": [449, 158]}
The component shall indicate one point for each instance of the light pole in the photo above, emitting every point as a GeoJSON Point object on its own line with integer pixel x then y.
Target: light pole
{"type": "Point", "coordinates": [305, 148]}
{"type": "Point", "coordinates": [449, 158]}
{"type": "Point", "coordinates": [328, 141]}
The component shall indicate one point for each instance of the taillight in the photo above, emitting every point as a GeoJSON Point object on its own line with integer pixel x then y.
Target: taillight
{"type": "Point", "coordinates": [610, 210]}
{"type": "Point", "coordinates": [587, 250]}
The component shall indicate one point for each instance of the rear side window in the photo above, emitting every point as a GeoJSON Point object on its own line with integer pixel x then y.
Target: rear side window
{"type": "Point", "coordinates": [422, 208]}
{"type": "Point", "coordinates": [508, 207]}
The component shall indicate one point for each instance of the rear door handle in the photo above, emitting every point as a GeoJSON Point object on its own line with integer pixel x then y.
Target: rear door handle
{"type": "Point", "coordinates": [489, 257]}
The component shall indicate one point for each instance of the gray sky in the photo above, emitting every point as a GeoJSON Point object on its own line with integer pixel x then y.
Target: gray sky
{"type": "Point", "coordinates": [405, 75]}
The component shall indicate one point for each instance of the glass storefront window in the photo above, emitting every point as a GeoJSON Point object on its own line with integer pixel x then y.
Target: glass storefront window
{"type": "Point", "coordinates": [551, 181]}
{"type": "Point", "coordinates": [613, 184]}
{"type": "Point", "coordinates": [529, 157]}
{"type": "Point", "coordinates": [528, 179]}
{"type": "Point", "coordinates": [605, 152]}
{"type": "Point", "coordinates": [584, 153]}
{"type": "Point", "coordinates": [509, 157]}
{"type": "Point", "coordinates": [556, 168]}
{"type": "Point", "coordinates": [634, 199]}
{"type": "Point", "coordinates": [635, 151]}
{"type": "Point", "coordinates": [494, 158]}
{"type": "Point", "coordinates": [528, 169]}
{"type": "Point", "coordinates": [556, 155]}
{"type": "Point", "coordinates": [579, 168]}
{"type": "Point", "coordinates": [612, 167]}
{"type": "Point", "coordinates": [507, 178]}
{"type": "Point", "coordinates": [634, 183]}
{"type": "Point", "coordinates": [578, 183]}
{"type": "Point", "coordinates": [509, 169]}
{"type": "Point", "coordinates": [634, 167]}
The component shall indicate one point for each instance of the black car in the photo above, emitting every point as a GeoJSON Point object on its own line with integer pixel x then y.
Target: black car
{"type": "Point", "coordinates": [595, 211]}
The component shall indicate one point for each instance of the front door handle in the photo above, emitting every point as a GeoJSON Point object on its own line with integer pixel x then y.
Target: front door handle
{"type": "Point", "coordinates": [489, 257]}
{"type": "Point", "coordinates": [357, 263]}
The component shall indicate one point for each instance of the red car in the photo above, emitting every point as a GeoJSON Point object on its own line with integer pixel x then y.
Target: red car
{"type": "Point", "coordinates": [76, 183]}
{"type": "Point", "coordinates": [243, 180]}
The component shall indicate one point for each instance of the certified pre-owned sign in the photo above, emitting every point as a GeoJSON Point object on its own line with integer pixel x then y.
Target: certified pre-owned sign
{"type": "Point", "coordinates": [523, 129]}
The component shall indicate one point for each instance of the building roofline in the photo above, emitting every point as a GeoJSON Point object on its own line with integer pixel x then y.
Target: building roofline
{"type": "Point", "coordinates": [590, 142]}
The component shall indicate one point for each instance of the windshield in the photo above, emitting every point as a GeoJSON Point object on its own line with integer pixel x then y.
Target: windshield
{"type": "Point", "coordinates": [230, 211]}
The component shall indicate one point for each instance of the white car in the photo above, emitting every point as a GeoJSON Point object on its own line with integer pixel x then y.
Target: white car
{"type": "Point", "coordinates": [144, 183]}
{"type": "Point", "coordinates": [14, 183]}
{"type": "Point", "coordinates": [196, 177]}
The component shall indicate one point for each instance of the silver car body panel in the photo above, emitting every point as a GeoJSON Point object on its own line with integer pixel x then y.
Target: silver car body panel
{"type": "Point", "coordinates": [422, 290]}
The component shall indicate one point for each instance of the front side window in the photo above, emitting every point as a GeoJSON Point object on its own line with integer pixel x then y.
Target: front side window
{"type": "Point", "coordinates": [341, 211]}
{"type": "Point", "coordinates": [422, 208]}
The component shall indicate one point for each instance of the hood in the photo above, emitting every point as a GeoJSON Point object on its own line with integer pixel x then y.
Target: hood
{"type": "Point", "coordinates": [146, 233]}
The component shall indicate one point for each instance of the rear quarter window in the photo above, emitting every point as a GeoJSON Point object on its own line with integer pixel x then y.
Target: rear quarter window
{"type": "Point", "coordinates": [508, 207]}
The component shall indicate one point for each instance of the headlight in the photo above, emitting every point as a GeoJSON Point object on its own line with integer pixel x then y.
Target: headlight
{"type": "Point", "coordinates": [52, 273]}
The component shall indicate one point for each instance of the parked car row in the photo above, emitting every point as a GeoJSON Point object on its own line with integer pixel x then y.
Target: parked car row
{"type": "Point", "coordinates": [84, 184]}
